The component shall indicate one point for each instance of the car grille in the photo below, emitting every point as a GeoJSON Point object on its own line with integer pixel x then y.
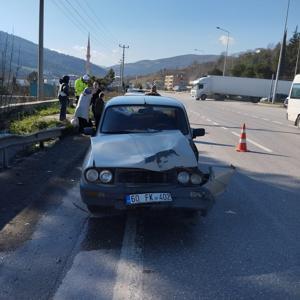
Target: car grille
{"type": "Point", "coordinates": [145, 177]}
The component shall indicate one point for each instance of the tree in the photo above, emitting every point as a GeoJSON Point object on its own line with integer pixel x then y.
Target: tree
{"type": "Point", "coordinates": [215, 71]}
{"type": "Point", "coordinates": [249, 72]}
{"type": "Point", "coordinates": [238, 70]}
{"type": "Point", "coordinates": [263, 70]}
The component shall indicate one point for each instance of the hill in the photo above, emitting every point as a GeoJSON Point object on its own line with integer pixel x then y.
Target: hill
{"type": "Point", "coordinates": [55, 64]}
{"type": "Point", "coordinates": [145, 67]}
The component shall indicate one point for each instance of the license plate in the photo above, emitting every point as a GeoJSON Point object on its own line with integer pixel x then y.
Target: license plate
{"type": "Point", "coordinates": [148, 198]}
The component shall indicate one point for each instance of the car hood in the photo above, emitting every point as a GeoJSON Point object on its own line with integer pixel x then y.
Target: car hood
{"type": "Point", "coordinates": [157, 151]}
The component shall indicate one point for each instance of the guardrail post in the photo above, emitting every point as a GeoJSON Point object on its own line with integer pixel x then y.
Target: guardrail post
{"type": "Point", "coordinates": [4, 159]}
{"type": "Point", "coordinates": [42, 144]}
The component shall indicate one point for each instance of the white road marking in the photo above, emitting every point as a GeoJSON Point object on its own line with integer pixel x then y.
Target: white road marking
{"type": "Point", "coordinates": [215, 123]}
{"type": "Point", "coordinates": [256, 117]}
{"type": "Point", "coordinates": [209, 120]}
{"type": "Point", "coordinates": [224, 128]}
{"type": "Point", "coordinates": [254, 143]}
{"type": "Point", "coordinates": [276, 122]}
{"type": "Point", "coordinates": [130, 266]}
{"type": "Point", "coordinates": [265, 119]}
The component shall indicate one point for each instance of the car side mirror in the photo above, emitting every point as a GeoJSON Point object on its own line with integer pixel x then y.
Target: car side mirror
{"type": "Point", "coordinates": [198, 132]}
{"type": "Point", "coordinates": [89, 131]}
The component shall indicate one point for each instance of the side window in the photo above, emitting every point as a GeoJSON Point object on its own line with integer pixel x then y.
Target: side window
{"type": "Point", "coordinates": [200, 86]}
{"type": "Point", "coordinates": [295, 94]}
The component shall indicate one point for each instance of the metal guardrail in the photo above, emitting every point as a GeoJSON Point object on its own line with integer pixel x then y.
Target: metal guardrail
{"type": "Point", "coordinates": [11, 106]}
{"type": "Point", "coordinates": [9, 141]}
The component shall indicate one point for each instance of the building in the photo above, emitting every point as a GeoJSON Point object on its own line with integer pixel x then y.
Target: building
{"type": "Point", "coordinates": [175, 80]}
{"type": "Point", "coordinates": [88, 58]}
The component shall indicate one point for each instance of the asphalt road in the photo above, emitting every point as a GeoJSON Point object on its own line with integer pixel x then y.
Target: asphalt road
{"type": "Point", "coordinates": [248, 247]}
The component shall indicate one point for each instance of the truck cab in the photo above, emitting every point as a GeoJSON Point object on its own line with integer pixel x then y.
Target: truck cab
{"type": "Point", "coordinates": [293, 109]}
{"type": "Point", "coordinates": [200, 88]}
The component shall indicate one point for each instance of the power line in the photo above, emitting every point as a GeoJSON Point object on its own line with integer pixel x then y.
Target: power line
{"type": "Point", "coordinates": [68, 16]}
{"type": "Point", "coordinates": [106, 30]}
{"type": "Point", "coordinates": [83, 22]}
{"type": "Point", "coordinates": [103, 33]}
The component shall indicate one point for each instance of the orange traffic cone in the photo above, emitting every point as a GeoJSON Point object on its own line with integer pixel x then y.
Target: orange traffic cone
{"type": "Point", "coordinates": [242, 146]}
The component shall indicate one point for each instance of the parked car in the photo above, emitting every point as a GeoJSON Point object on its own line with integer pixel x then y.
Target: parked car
{"type": "Point", "coordinates": [143, 155]}
{"type": "Point", "coordinates": [135, 92]}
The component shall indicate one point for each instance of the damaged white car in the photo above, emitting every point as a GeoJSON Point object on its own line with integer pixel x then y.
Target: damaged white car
{"type": "Point", "coordinates": [143, 155]}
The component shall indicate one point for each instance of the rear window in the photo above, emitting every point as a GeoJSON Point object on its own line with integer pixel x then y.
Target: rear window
{"type": "Point", "coordinates": [143, 118]}
{"type": "Point", "coordinates": [295, 94]}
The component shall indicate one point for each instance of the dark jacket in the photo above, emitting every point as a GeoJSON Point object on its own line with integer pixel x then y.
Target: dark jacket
{"type": "Point", "coordinates": [98, 107]}
{"type": "Point", "coordinates": [64, 87]}
{"type": "Point", "coordinates": [93, 100]}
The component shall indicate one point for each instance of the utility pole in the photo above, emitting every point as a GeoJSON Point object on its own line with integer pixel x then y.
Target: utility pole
{"type": "Point", "coordinates": [40, 84]}
{"type": "Point", "coordinates": [226, 53]}
{"type": "Point", "coordinates": [280, 55]}
{"type": "Point", "coordinates": [296, 67]}
{"type": "Point", "coordinates": [123, 60]}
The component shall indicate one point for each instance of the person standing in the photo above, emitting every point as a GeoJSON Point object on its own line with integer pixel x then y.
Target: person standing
{"type": "Point", "coordinates": [83, 108]}
{"type": "Point", "coordinates": [95, 95]}
{"type": "Point", "coordinates": [153, 91]}
{"type": "Point", "coordinates": [63, 97]}
{"type": "Point", "coordinates": [98, 107]}
{"type": "Point", "coordinates": [80, 84]}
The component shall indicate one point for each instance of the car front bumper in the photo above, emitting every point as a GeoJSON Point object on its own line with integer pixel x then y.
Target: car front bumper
{"type": "Point", "coordinates": [189, 197]}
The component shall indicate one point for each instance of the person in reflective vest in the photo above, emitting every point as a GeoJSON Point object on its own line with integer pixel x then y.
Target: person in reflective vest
{"type": "Point", "coordinates": [80, 84]}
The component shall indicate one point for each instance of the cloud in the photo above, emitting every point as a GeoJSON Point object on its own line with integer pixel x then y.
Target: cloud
{"type": "Point", "coordinates": [79, 48]}
{"type": "Point", "coordinates": [58, 50]}
{"type": "Point", "coordinates": [223, 40]}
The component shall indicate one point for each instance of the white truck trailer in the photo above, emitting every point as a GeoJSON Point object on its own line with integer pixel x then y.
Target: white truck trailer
{"type": "Point", "coordinates": [221, 87]}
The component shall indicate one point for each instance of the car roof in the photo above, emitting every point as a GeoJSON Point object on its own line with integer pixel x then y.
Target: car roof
{"type": "Point", "coordinates": [142, 100]}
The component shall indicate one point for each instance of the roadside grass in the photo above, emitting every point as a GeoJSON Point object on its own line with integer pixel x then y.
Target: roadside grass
{"type": "Point", "coordinates": [32, 124]}
{"type": "Point", "coordinates": [36, 121]}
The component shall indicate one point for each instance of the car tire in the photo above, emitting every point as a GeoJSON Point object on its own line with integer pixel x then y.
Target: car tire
{"type": "Point", "coordinates": [298, 122]}
{"type": "Point", "coordinates": [191, 213]}
{"type": "Point", "coordinates": [203, 97]}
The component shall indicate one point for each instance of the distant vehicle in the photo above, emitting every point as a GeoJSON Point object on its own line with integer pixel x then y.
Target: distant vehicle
{"type": "Point", "coordinates": [178, 88]}
{"type": "Point", "coordinates": [143, 155]}
{"type": "Point", "coordinates": [293, 110]}
{"type": "Point", "coordinates": [221, 87]}
{"type": "Point", "coordinates": [135, 92]}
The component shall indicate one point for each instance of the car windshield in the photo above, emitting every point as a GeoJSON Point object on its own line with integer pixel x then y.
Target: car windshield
{"type": "Point", "coordinates": [143, 118]}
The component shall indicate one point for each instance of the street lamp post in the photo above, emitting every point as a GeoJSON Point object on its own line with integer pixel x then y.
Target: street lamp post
{"type": "Point", "coordinates": [280, 54]}
{"type": "Point", "coordinates": [226, 54]}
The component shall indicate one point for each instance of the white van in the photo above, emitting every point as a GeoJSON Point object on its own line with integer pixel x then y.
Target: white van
{"type": "Point", "coordinates": [293, 110]}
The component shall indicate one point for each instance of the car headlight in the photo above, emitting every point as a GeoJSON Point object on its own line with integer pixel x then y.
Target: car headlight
{"type": "Point", "coordinates": [183, 177]}
{"type": "Point", "coordinates": [92, 175]}
{"type": "Point", "coordinates": [196, 179]}
{"type": "Point", "coordinates": [105, 176]}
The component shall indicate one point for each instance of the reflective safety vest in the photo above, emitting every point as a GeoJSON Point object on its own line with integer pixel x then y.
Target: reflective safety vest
{"type": "Point", "coordinates": [80, 85]}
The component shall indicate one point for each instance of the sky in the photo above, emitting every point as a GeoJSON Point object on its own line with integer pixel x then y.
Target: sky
{"type": "Point", "coordinates": [152, 29]}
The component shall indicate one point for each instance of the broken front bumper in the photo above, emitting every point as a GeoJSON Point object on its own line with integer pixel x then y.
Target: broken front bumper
{"type": "Point", "coordinates": [190, 197]}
